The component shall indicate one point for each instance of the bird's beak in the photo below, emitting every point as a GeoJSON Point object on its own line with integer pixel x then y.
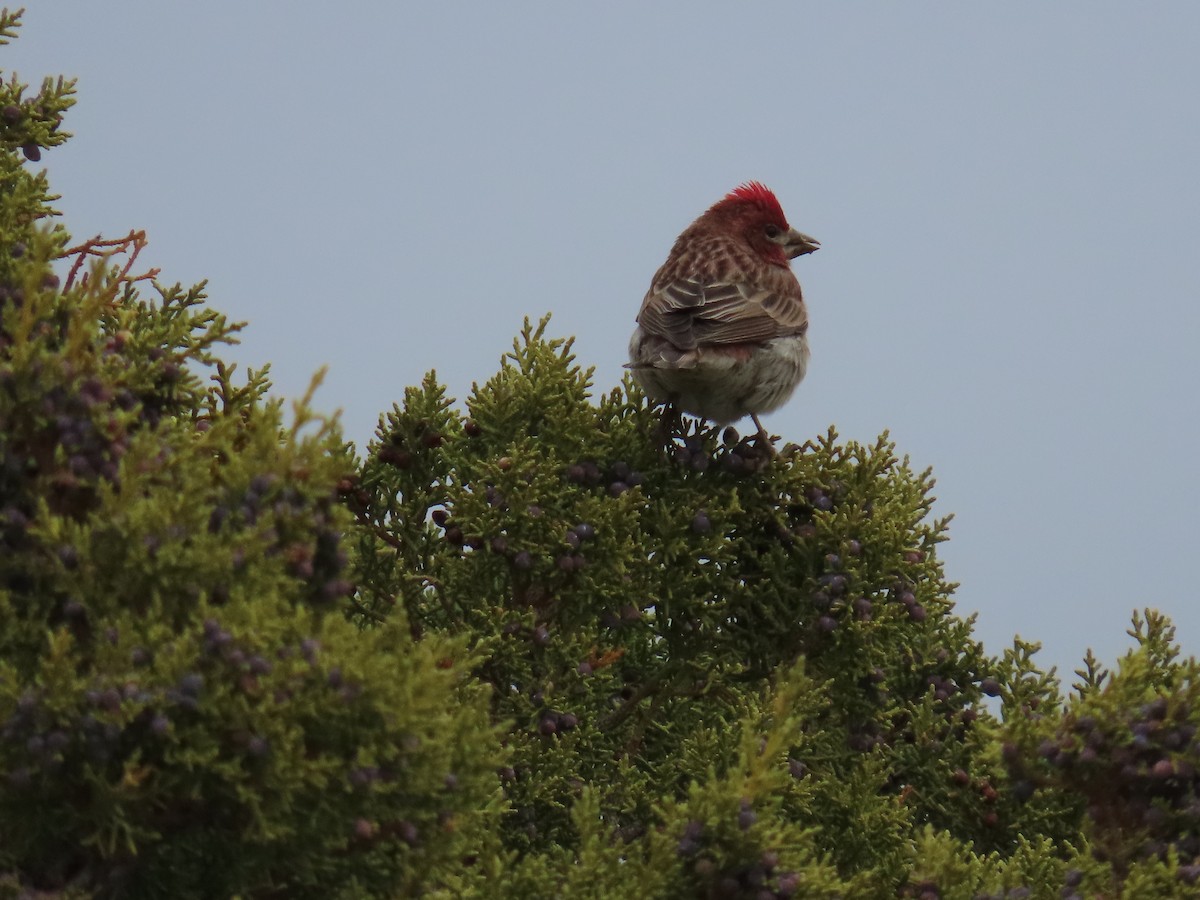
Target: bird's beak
{"type": "Point", "coordinates": [797, 244]}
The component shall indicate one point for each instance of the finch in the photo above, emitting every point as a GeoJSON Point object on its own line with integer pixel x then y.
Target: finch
{"type": "Point", "coordinates": [722, 332]}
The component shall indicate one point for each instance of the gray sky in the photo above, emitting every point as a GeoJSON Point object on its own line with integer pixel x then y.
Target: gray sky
{"type": "Point", "coordinates": [1007, 197]}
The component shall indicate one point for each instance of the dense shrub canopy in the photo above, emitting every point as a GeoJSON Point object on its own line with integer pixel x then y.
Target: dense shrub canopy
{"type": "Point", "coordinates": [527, 646]}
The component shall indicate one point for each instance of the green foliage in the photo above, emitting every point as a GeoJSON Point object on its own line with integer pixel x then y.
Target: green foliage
{"type": "Point", "coordinates": [1125, 749]}
{"type": "Point", "coordinates": [638, 596]}
{"type": "Point", "coordinates": [538, 645]}
{"type": "Point", "coordinates": [185, 709]}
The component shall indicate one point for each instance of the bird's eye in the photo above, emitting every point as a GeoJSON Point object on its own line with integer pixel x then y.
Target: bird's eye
{"type": "Point", "coordinates": [771, 232]}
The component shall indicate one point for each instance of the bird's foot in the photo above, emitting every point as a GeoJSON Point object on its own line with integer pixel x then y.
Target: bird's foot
{"type": "Point", "coordinates": [764, 439]}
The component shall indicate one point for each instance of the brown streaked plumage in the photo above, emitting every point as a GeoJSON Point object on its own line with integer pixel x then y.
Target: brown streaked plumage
{"type": "Point", "coordinates": [722, 331]}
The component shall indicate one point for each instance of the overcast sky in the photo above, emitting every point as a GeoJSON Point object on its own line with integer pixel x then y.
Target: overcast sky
{"type": "Point", "coordinates": [1007, 198]}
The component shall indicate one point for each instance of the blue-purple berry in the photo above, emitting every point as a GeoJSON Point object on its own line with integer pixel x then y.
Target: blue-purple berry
{"type": "Point", "coordinates": [191, 684]}
{"type": "Point", "coordinates": [746, 816]}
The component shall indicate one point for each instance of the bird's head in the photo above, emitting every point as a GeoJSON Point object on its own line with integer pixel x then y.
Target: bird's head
{"type": "Point", "coordinates": [752, 212]}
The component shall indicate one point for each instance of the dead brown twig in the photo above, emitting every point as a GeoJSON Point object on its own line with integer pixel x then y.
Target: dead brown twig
{"type": "Point", "coordinates": [101, 249]}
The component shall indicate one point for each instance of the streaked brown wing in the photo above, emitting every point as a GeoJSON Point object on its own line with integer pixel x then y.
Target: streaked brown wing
{"type": "Point", "coordinates": [689, 313]}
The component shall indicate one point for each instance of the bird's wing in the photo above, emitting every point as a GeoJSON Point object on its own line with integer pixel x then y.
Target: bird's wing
{"type": "Point", "coordinates": [690, 313]}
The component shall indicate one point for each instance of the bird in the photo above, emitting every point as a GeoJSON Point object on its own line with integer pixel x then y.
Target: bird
{"type": "Point", "coordinates": [723, 331]}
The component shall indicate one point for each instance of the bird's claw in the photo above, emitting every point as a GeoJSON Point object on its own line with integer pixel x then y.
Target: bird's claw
{"type": "Point", "coordinates": [764, 437]}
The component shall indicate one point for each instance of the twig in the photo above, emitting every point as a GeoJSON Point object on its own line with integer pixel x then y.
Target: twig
{"type": "Point", "coordinates": [625, 710]}
{"type": "Point", "coordinates": [99, 248]}
{"type": "Point", "coordinates": [362, 610]}
{"type": "Point", "coordinates": [430, 581]}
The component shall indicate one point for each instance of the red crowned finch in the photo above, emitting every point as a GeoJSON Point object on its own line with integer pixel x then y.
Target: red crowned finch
{"type": "Point", "coordinates": [721, 333]}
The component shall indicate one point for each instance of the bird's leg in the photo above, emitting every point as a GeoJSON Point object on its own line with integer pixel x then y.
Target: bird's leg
{"type": "Point", "coordinates": [763, 436]}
